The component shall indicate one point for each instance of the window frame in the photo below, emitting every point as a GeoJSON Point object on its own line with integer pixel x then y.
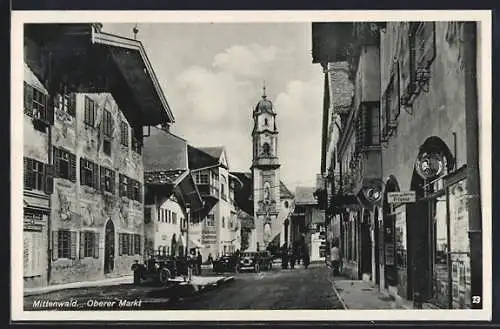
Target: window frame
{"type": "Point", "coordinates": [89, 112]}
{"type": "Point", "coordinates": [124, 133]}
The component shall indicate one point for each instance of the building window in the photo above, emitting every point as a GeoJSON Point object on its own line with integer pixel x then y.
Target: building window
{"type": "Point", "coordinates": [202, 177]}
{"type": "Point", "coordinates": [64, 244]}
{"type": "Point", "coordinates": [65, 102]}
{"type": "Point", "coordinates": [107, 123]}
{"type": "Point", "coordinates": [129, 244]}
{"type": "Point", "coordinates": [124, 133]}
{"type": "Point", "coordinates": [147, 215]}
{"type": "Point", "coordinates": [390, 104]}
{"type": "Point", "coordinates": [124, 185]}
{"type": "Point", "coordinates": [89, 244]}
{"type": "Point", "coordinates": [174, 218]}
{"type": "Point", "coordinates": [210, 220]}
{"type": "Point", "coordinates": [223, 222]}
{"type": "Point", "coordinates": [65, 165]}
{"type": "Point", "coordinates": [33, 174]}
{"type": "Point", "coordinates": [88, 173]}
{"type": "Point", "coordinates": [266, 149]}
{"type": "Point", "coordinates": [106, 146]}
{"type": "Point", "coordinates": [89, 115]}
{"type": "Point", "coordinates": [134, 192]}
{"type": "Point", "coordinates": [223, 188]}
{"type": "Point", "coordinates": [107, 180]}
{"type": "Point", "coordinates": [35, 102]}
{"type": "Point", "coordinates": [136, 145]}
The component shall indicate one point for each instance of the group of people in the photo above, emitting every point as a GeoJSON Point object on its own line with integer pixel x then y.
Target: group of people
{"type": "Point", "coordinates": [296, 254]}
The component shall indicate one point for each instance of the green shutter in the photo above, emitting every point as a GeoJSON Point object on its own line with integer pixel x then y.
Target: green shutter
{"type": "Point", "coordinates": [96, 245]}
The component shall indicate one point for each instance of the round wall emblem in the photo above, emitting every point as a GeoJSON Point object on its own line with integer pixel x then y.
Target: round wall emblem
{"type": "Point", "coordinates": [430, 165]}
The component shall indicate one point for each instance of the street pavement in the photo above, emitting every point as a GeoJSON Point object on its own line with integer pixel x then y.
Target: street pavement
{"type": "Point", "coordinates": [278, 289]}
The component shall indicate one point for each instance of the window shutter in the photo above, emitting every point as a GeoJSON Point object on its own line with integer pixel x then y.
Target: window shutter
{"type": "Point", "coordinates": [28, 172]}
{"type": "Point", "coordinates": [101, 175]}
{"type": "Point", "coordinates": [82, 244]}
{"type": "Point", "coordinates": [120, 244]}
{"type": "Point", "coordinates": [130, 188]}
{"type": "Point", "coordinates": [95, 175]}
{"type": "Point", "coordinates": [49, 178]}
{"type": "Point", "coordinates": [57, 167]}
{"type": "Point", "coordinates": [425, 44]}
{"type": "Point", "coordinates": [73, 245]}
{"type": "Point", "coordinates": [55, 245]}
{"type": "Point", "coordinates": [72, 167]}
{"type": "Point", "coordinates": [82, 176]}
{"type": "Point", "coordinates": [96, 245]}
{"type": "Point", "coordinates": [49, 109]}
{"type": "Point", "coordinates": [28, 99]}
{"type": "Point", "coordinates": [113, 182]}
{"type": "Point", "coordinates": [72, 104]}
{"type": "Point", "coordinates": [130, 244]}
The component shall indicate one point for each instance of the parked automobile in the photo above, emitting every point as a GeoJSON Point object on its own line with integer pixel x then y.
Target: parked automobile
{"type": "Point", "coordinates": [255, 261]}
{"type": "Point", "coordinates": [160, 269]}
{"type": "Point", "coordinates": [226, 263]}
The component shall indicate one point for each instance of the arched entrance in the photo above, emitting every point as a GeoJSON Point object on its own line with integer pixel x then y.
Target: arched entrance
{"type": "Point", "coordinates": [109, 247]}
{"type": "Point", "coordinates": [387, 239]}
{"type": "Point", "coordinates": [427, 221]}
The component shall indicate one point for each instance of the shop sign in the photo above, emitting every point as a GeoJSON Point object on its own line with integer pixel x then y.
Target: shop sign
{"type": "Point", "coordinates": [402, 197]}
{"type": "Point", "coordinates": [33, 227]}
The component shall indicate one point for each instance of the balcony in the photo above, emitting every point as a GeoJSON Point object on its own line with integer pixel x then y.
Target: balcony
{"type": "Point", "coordinates": [207, 190]}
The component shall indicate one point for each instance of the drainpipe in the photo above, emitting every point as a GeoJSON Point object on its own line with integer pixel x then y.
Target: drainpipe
{"type": "Point", "coordinates": [473, 176]}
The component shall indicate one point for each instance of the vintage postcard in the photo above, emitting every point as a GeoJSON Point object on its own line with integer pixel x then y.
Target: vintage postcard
{"type": "Point", "coordinates": [326, 165]}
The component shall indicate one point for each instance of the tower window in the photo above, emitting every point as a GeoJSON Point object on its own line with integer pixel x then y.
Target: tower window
{"type": "Point", "coordinates": [266, 149]}
{"type": "Point", "coordinates": [265, 122]}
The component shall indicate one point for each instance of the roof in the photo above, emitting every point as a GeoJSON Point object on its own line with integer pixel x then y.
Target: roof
{"type": "Point", "coordinates": [199, 159]}
{"type": "Point", "coordinates": [214, 151]}
{"type": "Point", "coordinates": [285, 192]}
{"type": "Point", "coordinates": [105, 63]}
{"type": "Point", "coordinates": [305, 195]}
{"type": "Point", "coordinates": [164, 151]}
{"type": "Point", "coordinates": [264, 105]}
{"type": "Point", "coordinates": [172, 177]}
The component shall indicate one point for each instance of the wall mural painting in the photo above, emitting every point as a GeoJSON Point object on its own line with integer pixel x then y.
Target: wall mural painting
{"type": "Point", "coordinates": [88, 214]}
{"type": "Point", "coordinates": [124, 214]}
{"type": "Point", "coordinates": [64, 207]}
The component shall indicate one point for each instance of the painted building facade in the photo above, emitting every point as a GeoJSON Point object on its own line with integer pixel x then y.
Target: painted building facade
{"type": "Point", "coordinates": [424, 143]}
{"type": "Point", "coordinates": [91, 170]}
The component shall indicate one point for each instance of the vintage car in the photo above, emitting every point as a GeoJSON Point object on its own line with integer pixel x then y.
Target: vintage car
{"type": "Point", "coordinates": [159, 269]}
{"type": "Point", "coordinates": [255, 261]}
{"type": "Point", "coordinates": [226, 263]}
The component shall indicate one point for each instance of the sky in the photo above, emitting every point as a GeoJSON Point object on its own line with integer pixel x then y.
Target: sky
{"type": "Point", "coordinates": [212, 75]}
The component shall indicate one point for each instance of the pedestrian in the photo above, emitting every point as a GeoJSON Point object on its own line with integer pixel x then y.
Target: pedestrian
{"type": "Point", "coordinates": [336, 259]}
{"type": "Point", "coordinates": [292, 259]}
{"type": "Point", "coordinates": [199, 261]}
{"type": "Point", "coordinates": [210, 259]}
{"type": "Point", "coordinates": [306, 258]}
{"type": "Point", "coordinates": [284, 257]}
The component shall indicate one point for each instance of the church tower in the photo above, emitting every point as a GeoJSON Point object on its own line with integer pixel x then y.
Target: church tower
{"type": "Point", "coordinates": [265, 170]}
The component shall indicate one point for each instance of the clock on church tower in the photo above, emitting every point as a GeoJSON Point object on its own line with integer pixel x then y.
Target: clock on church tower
{"type": "Point", "coordinates": [265, 168]}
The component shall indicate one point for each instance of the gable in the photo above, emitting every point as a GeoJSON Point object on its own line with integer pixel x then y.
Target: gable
{"type": "Point", "coordinates": [223, 159]}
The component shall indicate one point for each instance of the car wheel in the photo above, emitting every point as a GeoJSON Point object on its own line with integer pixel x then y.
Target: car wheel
{"type": "Point", "coordinates": [237, 269]}
{"type": "Point", "coordinates": [256, 268]}
{"type": "Point", "coordinates": [164, 275]}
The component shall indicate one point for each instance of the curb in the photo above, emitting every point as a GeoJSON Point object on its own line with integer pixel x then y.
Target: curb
{"type": "Point", "coordinates": [332, 282]}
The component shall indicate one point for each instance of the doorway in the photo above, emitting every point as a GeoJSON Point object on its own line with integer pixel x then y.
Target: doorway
{"type": "Point", "coordinates": [109, 247]}
{"type": "Point", "coordinates": [366, 246]}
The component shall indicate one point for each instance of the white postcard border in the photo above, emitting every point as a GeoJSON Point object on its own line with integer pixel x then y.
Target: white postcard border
{"type": "Point", "coordinates": [485, 104]}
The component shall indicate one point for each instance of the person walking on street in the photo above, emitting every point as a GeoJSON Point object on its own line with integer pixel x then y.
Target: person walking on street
{"type": "Point", "coordinates": [306, 259]}
{"type": "Point", "coordinates": [336, 258]}
{"type": "Point", "coordinates": [199, 261]}
{"type": "Point", "coordinates": [292, 258]}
